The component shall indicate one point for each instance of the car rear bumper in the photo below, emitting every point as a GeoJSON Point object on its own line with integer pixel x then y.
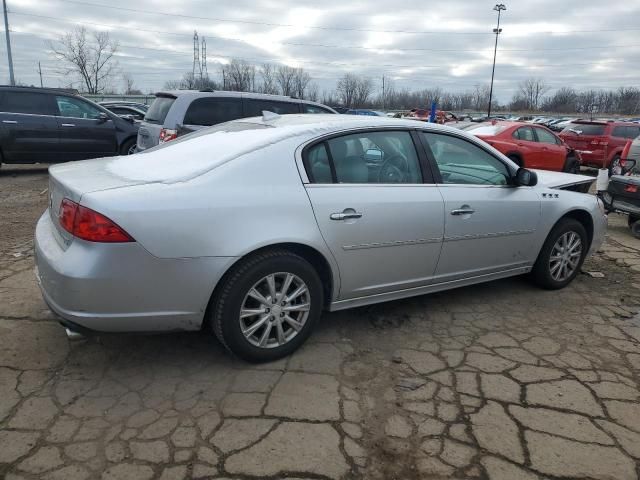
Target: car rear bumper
{"type": "Point", "coordinates": [592, 158]}
{"type": "Point", "coordinates": [121, 287]}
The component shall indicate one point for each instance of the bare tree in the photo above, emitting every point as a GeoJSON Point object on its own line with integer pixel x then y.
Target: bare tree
{"type": "Point", "coordinates": [363, 91]}
{"type": "Point", "coordinates": [481, 97]}
{"type": "Point", "coordinates": [129, 85]}
{"type": "Point", "coordinates": [300, 82]}
{"type": "Point", "coordinates": [347, 89]}
{"type": "Point", "coordinates": [189, 81]}
{"type": "Point", "coordinates": [532, 90]}
{"type": "Point", "coordinates": [285, 78]}
{"type": "Point", "coordinates": [312, 92]}
{"type": "Point", "coordinates": [239, 76]}
{"type": "Point", "coordinates": [268, 73]}
{"type": "Point", "coordinates": [89, 55]}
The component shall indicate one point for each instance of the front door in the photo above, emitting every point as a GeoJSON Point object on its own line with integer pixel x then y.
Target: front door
{"type": "Point", "coordinates": [554, 154]}
{"type": "Point", "coordinates": [490, 225]}
{"type": "Point", "coordinates": [83, 133]}
{"type": "Point", "coordinates": [383, 225]}
{"type": "Point", "coordinates": [28, 128]}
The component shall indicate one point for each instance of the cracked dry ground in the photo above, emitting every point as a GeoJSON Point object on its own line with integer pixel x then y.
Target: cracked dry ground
{"type": "Point", "coordinates": [497, 381]}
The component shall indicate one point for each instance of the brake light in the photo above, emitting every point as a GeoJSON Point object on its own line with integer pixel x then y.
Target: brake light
{"type": "Point", "coordinates": [625, 152]}
{"type": "Point", "coordinates": [89, 225]}
{"type": "Point", "coordinates": [631, 188]}
{"type": "Point", "coordinates": [166, 135]}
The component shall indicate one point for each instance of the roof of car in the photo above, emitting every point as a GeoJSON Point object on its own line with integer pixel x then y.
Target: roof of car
{"type": "Point", "coordinates": [70, 91]}
{"type": "Point", "coordinates": [227, 93]}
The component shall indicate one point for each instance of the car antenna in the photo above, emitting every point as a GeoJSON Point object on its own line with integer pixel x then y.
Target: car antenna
{"type": "Point", "coordinates": [268, 116]}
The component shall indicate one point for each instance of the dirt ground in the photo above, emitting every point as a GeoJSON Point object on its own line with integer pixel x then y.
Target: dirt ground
{"type": "Point", "coordinates": [498, 381]}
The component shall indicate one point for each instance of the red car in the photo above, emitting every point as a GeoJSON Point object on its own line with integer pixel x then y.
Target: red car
{"type": "Point", "coordinates": [442, 116]}
{"type": "Point", "coordinates": [529, 145]}
{"type": "Point", "coordinates": [600, 144]}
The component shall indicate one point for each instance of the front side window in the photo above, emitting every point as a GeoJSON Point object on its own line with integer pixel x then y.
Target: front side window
{"type": "Point", "coordinates": [27, 102]}
{"type": "Point", "coordinates": [367, 157]}
{"type": "Point", "coordinates": [461, 162]}
{"type": "Point", "coordinates": [632, 132]}
{"type": "Point", "coordinates": [76, 108]}
{"type": "Point", "coordinates": [211, 111]}
{"type": "Point", "coordinates": [545, 137]}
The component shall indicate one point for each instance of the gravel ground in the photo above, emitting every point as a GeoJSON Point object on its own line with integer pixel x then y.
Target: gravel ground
{"type": "Point", "coordinates": [496, 381]}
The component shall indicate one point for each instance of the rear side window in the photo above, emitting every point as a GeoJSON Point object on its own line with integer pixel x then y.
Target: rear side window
{"type": "Point", "coordinates": [626, 132]}
{"type": "Point", "coordinates": [619, 132]}
{"type": "Point", "coordinates": [28, 102]}
{"type": "Point", "coordinates": [306, 108]}
{"type": "Point", "coordinates": [586, 128]}
{"type": "Point", "coordinates": [255, 107]}
{"type": "Point", "coordinates": [524, 133]}
{"type": "Point", "coordinates": [158, 110]}
{"type": "Point", "coordinates": [211, 111]}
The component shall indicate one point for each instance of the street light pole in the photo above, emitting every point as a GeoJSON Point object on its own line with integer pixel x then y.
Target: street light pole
{"type": "Point", "coordinates": [498, 8]}
{"type": "Point", "coordinates": [6, 31]}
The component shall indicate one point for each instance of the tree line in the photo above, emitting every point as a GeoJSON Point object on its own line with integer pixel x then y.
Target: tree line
{"type": "Point", "coordinates": [90, 56]}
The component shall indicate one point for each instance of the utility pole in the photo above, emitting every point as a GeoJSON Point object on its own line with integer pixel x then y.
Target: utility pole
{"type": "Point", "coordinates": [40, 72]}
{"type": "Point", "coordinates": [498, 8]}
{"type": "Point", "coordinates": [383, 99]}
{"type": "Point", "coordinates": [12, 79]}
{"type": "Point", "coordinates": [203, 71]}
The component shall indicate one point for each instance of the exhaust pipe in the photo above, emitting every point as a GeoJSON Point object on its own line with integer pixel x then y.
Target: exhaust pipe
{"type": "Point", "coordinates": [74, 336]}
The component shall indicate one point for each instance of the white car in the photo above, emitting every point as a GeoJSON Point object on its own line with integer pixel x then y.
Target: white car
{"type": "Point", "coordinates": [250, 229]}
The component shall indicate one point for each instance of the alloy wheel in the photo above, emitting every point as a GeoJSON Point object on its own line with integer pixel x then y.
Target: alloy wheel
{"type": "Point", "coordinates": [275, 310]}
{"type": "Point", "coordinates": [565, 256]}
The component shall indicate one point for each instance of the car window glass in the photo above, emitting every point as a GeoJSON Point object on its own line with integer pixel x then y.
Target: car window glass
{"type": "Point", "coordinates": [619, 132]}
{"type": "Point", "coordinates": [76, 108]}
{"type": "Point", "coordinates": [632, 132]}
{"type": "Point", "coordinates": [28, 102]}
{"type": "Point", "coordinates": [313, 109]}
{"type": "Point", "coordinates": [255, 107]}
{"type": "Point", "coordinates": [461, 162]}
{"type": "Point", "coordinates": [545, 137]}
{"type": "Point", "coordinates": [158, 110]}
{"type": "Point", "coordinates": [211, 111]}
{"type": "Point", "coordinates": [375, 157]}
{"type": "Point", "coordinates": [524, 133]}
{"type": "Point", "coordinates": [317, 162]}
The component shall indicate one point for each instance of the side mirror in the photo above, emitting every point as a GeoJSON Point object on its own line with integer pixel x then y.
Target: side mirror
{"type": "Point", "coordinates": [103, 117]}
{"type": "Point", "coordinates": [526, 178]}
{"type": "Point", "coordinates": [128, 118]}
{"type": "Point", "coordinates": [628, 165]}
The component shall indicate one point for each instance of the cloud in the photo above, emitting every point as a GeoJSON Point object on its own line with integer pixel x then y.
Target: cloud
{"type": "Point", "coordinates": [579, 43]}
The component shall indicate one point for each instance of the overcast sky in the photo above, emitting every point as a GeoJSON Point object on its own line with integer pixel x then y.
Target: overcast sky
{"type": "Point", "coordinates": [418, 44]}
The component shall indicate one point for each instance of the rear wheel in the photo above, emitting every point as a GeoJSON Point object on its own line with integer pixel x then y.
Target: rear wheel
{"type": "Point", "coordinates": [267, 306]}
{"type": "Point", "coordinates": [614, 167]}
{"type": "Point", "coordinates": [561, 256]}
{"type": "Point", "coordinates": [635, 228]}
{"type": "Point", "coordinates": [128, 147]}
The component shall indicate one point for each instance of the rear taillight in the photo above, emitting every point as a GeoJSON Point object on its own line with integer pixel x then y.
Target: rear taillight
{"type": "Point", "coordinates": [625, 152]}
{"type": "Point", "coordinates": [89, 225]}
{"type": "Point", "coordinates": [631, 188]}
{"type": "Point", "coordinates": [166, 135]}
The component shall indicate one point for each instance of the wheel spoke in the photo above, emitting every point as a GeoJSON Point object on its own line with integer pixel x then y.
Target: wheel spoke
{"type": "Point", "coordinates": [299, 291]}
{"type": "Point", "coordinates": [271, 282]}
{"type": "Point", "coordinates": [297, 326]}
{"type": "Point", "coordinates": [248, 332]}
{"type": "Point", "coordinates": [265, 335]}
{"type": "Point", "coordinates": [555, 267]}
{"type": "Point", "coordinates": [285, 286]}
{"type": "Point", "coordinates": [280, 331]}
{"type": "Point", "coordinates": [302, 307]}
{"type": "Point", "coordinates": [251, 312]}
{"type": "Point", "coordinates": [253, 293]}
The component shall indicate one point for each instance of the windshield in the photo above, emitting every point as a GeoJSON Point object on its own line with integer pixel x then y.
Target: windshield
{"type": "Point", "coordinates": [159, 109]}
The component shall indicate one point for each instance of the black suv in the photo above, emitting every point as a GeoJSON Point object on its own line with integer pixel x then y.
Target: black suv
{"type": "Point", "coordinates": [51, 125]}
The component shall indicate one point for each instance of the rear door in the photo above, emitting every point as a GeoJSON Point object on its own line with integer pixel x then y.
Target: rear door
{"type": "Point", "coordinates": [383, 225]}
{"type": "Point", "coordinates": [528, 147]}
{"type": "Point", "coordinates": [29, 130]}
{"type": "Point", "coordinates": [83, 132]}
{"type": "Point", "coordinates": [553, 153]}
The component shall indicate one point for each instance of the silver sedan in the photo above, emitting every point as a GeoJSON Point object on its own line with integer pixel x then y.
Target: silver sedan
{"type": "Point", "coordinates": [252, 228]}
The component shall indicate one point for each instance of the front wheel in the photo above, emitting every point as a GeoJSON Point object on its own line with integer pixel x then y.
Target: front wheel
{"type": "Point", "coordinates": [561, 256]}
{"type": "Point", "coordinates": [634, 225]}
{"type": "Point", "coordinates": [615, 168]}
{"type": "Point", "coordinates": [267, 306]}
{"type": "Point", "coordinates": [128, 147]}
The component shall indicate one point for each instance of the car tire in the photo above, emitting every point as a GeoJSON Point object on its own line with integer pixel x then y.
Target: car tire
{"type": "Point", "coordinates": [128, 147]}
{"type": "Point", "coordinates": [233, 297]}
{"type": "Point", "coordinates": [543, 273]}
{"type": "Point", "coordinates": [516, 159]}
{"type": "Point", "coordinates": [572, 165]}
{"type": "Point", "coordinates": [615, 161]}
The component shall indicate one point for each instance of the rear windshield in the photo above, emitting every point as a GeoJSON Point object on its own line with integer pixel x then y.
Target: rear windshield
{"type": "Point", "coordinates": [585, 129]}
{"type": "Point", "coordinates": [489, 130]}
{"type": "Point", "coordinates": [158, 110]}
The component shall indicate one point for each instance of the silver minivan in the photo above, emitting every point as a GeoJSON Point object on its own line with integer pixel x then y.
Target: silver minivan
{"type": "Point", "coordinates": [176, 113]}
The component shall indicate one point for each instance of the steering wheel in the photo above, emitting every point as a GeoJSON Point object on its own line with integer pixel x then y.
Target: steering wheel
{"type": "Point", "coordinates": [394, 169]}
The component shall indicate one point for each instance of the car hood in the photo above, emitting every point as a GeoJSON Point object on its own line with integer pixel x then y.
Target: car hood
{"type": "Point", "coordinates": [561, 180]}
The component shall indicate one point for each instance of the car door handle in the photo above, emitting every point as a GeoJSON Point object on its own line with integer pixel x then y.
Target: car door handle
{"type": "Point", "coordinates": [463, 211]}
{"type": "Point", "coordinates": [10, 121]}
{"type": "Point", "coordinates": [68, 124]}
{"type": "Point", "coordinates": [345, 215]}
